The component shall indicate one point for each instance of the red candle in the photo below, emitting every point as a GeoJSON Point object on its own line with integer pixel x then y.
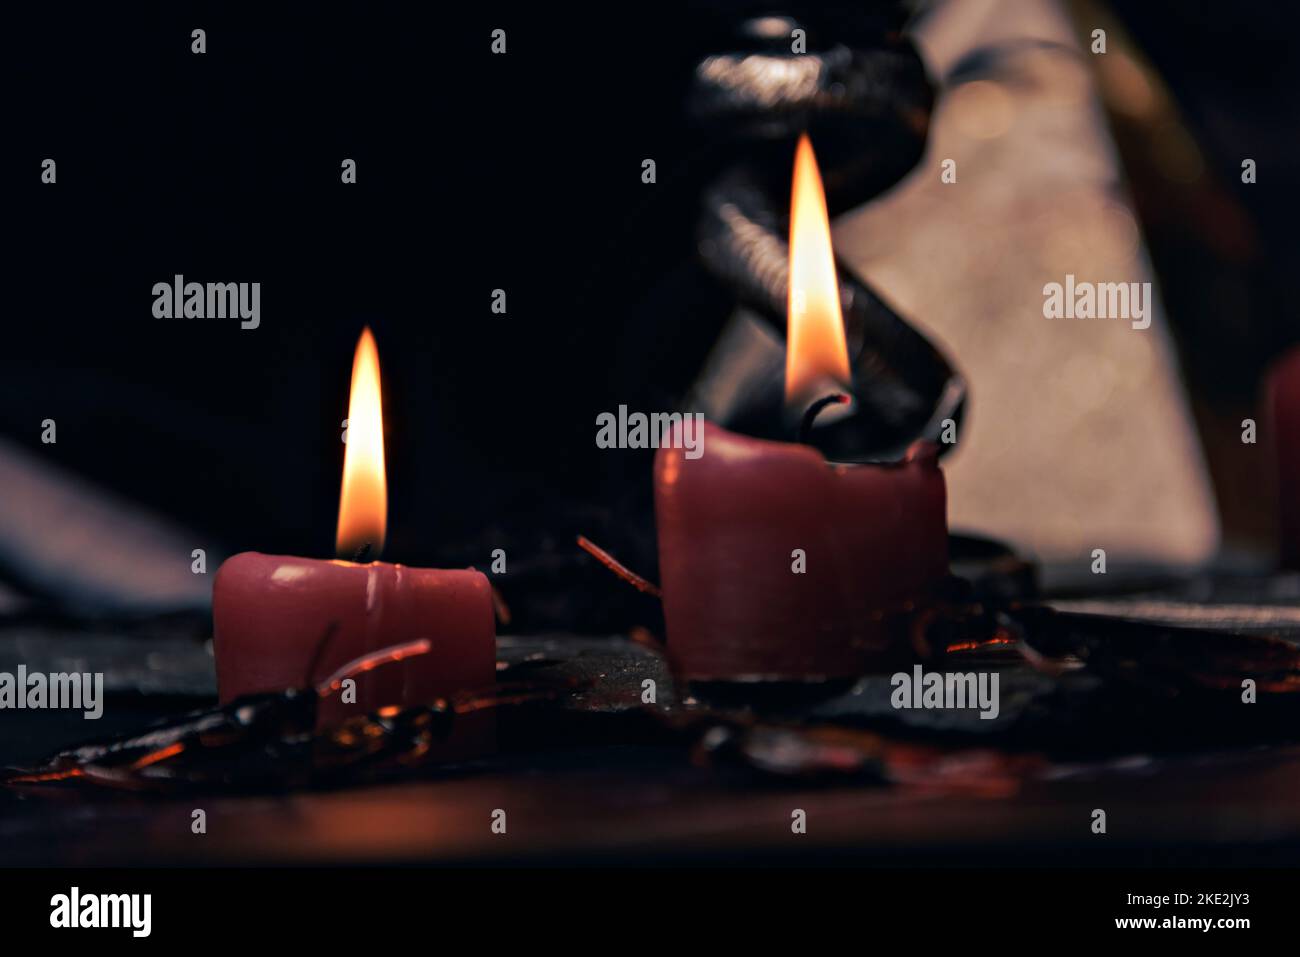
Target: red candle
{"type": "Point", "coordinates": [287, 622]}
{"type": "Point", "coordinates": [774, 563]}
{"type": "Point", "coordinates": [275, 613]}
{"type": "Point", "coordinates": [738, 601]}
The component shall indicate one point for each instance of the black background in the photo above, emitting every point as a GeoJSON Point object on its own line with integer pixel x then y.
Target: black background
{"type": "Point", "coordinates": [719, 906]}
{"type": "Point", "coordinates": [475, 172]}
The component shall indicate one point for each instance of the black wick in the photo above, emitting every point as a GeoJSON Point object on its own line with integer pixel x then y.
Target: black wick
{"type": "Point", "coordinates": [814, 410]}
{"type": "Point", "coordinates": [362, 553]}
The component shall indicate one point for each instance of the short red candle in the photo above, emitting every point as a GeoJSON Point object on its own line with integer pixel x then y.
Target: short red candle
{"type": "Point", "coordinates": [276, 615]}
{"type": "Point", "coordinates": [286, 622]}
{"type": "Point", "coordinates": [873, 536]}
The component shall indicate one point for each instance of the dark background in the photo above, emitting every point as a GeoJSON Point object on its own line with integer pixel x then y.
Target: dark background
{"type": "Point", "coordinates": [475, 172]}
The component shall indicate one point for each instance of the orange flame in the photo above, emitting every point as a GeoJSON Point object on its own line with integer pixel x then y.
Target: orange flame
{"type": "Point", "coordinates": [363, 503]}
{"type": "Point", "coordinates": [817, 355]}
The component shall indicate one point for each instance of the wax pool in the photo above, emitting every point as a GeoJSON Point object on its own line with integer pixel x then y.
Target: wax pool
{"type": "Point", "coordinates": [873, 538]}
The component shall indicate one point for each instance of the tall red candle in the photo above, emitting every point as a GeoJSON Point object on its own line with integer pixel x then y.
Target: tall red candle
{"type": "Point", "coordinates": [774, 563]}
{"type": "Point", "coordinates": [738, 601]}
{"type": "Point", "coordinates": [287, 622]}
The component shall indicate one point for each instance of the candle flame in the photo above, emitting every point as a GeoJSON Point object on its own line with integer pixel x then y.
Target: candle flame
{"type": "Point", "coordinates": [363, 503]}
{"type": "Point", "coordinates": [817, 355]}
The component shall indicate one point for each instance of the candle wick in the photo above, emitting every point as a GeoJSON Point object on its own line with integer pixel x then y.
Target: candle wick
{"type": "Point", "coordinates": [814, 410]}
{"type": "Point", "coordinates": [362, 554]}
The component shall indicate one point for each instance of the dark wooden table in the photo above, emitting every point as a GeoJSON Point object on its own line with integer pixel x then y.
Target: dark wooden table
{"type": "Point", "coordinates": [644, 802]}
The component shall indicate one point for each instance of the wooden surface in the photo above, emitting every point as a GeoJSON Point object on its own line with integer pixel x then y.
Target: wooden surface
{"type": "Point", "coordinates": [579, 801]}
{"type": "Point", "coordinates": [634, 805]}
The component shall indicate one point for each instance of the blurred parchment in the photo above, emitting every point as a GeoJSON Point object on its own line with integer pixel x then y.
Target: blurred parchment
{"type": "Point", "coordinates": [1078, 435]}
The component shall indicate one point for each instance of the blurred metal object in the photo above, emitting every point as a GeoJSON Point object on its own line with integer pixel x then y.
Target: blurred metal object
{"type": "Point", "coordinates": [862, 94]}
